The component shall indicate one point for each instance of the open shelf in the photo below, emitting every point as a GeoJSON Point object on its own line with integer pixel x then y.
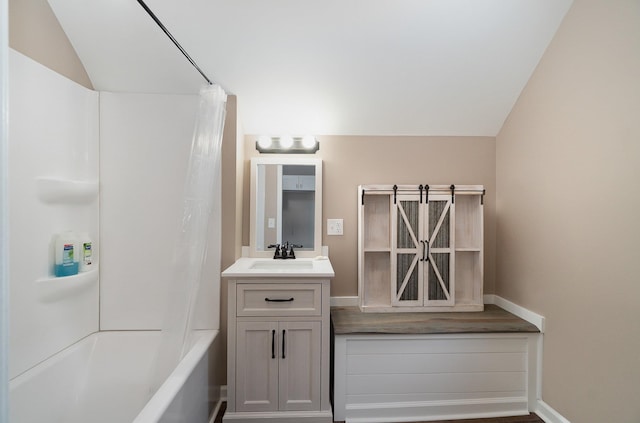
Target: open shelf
{"type": "Point", "coordinates": [468, 273]}
{"type": "Point", "coordinates": [52, 288]}
{"type": "Point", "coordinates": [376, 215]}
{"type": "Point", "coordinates": [468, 223]}
{"type": "Point", "coordinates": [377, 269]}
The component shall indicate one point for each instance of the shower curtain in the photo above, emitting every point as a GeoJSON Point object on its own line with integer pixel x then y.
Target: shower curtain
{"type": "Point", "coordinates": [201, 219]}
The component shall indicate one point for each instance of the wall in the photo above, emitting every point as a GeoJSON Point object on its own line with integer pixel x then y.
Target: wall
{"type": "Point", "coordinates": [53, 132]}
{"type": "Point", "coordinates": [4, 213]}
{"type": "Point", "coordinates": [349, 161]}
{"type": "Point", "coordinates": [232, 205]}
{"type": "Point", "coordinates": [567, 211]}
{"type": "Point", "coordinates": [35, 32]}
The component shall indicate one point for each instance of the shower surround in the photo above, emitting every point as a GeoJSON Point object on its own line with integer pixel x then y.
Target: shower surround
{"type": "Point", "coordinates": [111, 165]}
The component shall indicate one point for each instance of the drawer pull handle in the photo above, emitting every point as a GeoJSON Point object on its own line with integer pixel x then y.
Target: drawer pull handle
{"type": "Point", "coordinates": [279, 300]}
{"type": "Point", "coordinates": [273, 343]}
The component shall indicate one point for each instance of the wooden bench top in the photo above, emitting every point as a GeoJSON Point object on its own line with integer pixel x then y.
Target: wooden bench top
{"type": "Point", "coordinates": [350, 320]}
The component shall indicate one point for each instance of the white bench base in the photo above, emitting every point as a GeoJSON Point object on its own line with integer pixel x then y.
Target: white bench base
{"type": "Point", "coordinates": [396, 378]}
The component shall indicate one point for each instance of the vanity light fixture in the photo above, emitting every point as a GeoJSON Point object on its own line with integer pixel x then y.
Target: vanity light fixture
{"type": "Point", "coordinates": [287, 144]}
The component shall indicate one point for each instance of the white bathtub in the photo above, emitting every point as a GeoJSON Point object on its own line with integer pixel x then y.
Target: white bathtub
{"type": "Point", "coordinates": [104, 378]}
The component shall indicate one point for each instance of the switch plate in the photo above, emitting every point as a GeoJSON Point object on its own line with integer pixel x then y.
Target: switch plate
{"type": "Point", "coordinates": [335, 227]}
{"type": "Point", "coordinates": [271, 223]}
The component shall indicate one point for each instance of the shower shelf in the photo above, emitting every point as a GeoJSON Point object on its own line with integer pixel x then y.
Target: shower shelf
{"type": "Point", "coordinates": [53, 288]}
{"type": "Point", "coordinates": [66, 191]}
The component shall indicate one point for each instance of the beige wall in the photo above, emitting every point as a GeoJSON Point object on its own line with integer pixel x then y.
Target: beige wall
{"type": "Point", "coordinates": [232, 206]}
{"type": "Point", "coordinates": [35, 32]}
{"type": "Point", "coordinates": [568, 234]}
{"type": "Point", "coordinates": [349, 161]}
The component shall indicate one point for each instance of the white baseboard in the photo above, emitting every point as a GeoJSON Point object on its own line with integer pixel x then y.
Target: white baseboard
{"type": "Point", "coordinates": [523, 313]}
{"type": "Point", "coordinates": [344, 301]}
{"type": "Point", "coordinates": [548, 414]}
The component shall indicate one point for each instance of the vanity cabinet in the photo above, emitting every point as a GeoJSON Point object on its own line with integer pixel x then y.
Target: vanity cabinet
{"type": "Point", "coordinates": [278, 350]}
{"type": "Point", "coordinates": [420, 247]}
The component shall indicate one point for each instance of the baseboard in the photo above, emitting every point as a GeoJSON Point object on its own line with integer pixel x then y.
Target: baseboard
{"type": "Point", "coordinates": [432, 410]}
{"type": "Point", "coordinates": [523, 313]}
{"type": "Point", "coordinates": [223, 393]}
{"type": "Point", "coordinates": [548, 414]}
{"type": "Point", "coordinates": [344, 301]}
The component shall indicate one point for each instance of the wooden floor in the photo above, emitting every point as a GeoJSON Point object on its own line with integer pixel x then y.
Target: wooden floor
{"type": "Point", "coordinates": [531, 418]}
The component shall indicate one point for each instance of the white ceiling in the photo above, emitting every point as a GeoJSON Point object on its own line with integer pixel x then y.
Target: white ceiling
{"type": "Point", "coordinates": [333, 67]}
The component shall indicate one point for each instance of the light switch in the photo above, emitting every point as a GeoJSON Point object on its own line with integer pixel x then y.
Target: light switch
{"type": "Point", "coordinates": [335, 227]}
{"type": "Point", "coordinates": [271, 223]}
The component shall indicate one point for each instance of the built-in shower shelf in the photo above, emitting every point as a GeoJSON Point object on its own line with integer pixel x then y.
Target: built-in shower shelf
{"type": "Point", "coordinates": [53, 288]}
{"type": "Point", "coordinates": [66, 191]}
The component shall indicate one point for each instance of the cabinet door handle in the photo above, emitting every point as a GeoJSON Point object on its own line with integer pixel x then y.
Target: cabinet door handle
{"type": "Point", "coordinates": [283, 344]}
{"type": "Point", "coordinates": [279, 300]}
{"type": "Point", "coordinates": [428, 251]}
{"type": "Point", "coordinates": [423, 250]}
{"type": "Point", "coordinates": [273, 343]}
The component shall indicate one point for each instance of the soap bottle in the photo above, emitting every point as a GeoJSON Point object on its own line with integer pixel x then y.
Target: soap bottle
{"type": "Point", "coordinates": [66, 254]}
{"type": "Point", "coordinates": [86, 253]}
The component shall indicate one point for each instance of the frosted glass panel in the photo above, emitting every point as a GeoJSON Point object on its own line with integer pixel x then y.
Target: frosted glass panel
{"type": "Point", "coordinates": [410, 292]}
{"type": "Point", "coordinates": [409, 226]}
{"type": "Point", "coordinates": [436, 209]}
{"type": "Point", "coordinates": [441, 263]}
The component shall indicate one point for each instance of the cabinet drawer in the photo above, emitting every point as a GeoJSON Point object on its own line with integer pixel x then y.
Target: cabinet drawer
{"type": "Point", "coordinates": [279, 299]}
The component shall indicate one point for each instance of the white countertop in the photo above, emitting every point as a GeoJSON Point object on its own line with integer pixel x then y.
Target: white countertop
{"type": "Point", "coordinates": [251, 267]}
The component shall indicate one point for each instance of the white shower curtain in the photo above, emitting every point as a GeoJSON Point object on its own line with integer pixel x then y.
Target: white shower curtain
{"type": "Point", "coordinates": [200, 210]}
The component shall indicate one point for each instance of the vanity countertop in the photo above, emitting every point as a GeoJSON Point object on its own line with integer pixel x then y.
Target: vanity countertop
{"type": "Point", "coordinates": [250, 267]}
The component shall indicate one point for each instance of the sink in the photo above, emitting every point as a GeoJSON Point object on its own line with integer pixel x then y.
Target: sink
{"type": "Point", "coordinates": [262, 267]}
{"type": "Point", "coordinates": [281, 264]}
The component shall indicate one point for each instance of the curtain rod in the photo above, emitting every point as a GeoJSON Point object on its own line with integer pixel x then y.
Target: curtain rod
{"type": "Point", "coordinates": [177, 44]}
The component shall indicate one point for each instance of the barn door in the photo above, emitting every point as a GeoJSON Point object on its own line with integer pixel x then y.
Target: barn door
{"type": "Point", "coordinates": [439, 257]}
{"type": "Point", "coordinates": [407, 286]}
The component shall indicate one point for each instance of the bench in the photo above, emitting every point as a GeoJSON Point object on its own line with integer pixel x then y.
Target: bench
{"type": "Point", "coordinates": [433, 366]}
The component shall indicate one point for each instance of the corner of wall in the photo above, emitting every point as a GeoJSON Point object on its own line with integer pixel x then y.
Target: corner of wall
{"type": "Point", "coordinates": [35, 31]}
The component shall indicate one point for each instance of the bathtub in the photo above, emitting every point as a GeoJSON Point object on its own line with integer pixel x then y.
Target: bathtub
{"type": "Point", "coordinates": [104, 378]}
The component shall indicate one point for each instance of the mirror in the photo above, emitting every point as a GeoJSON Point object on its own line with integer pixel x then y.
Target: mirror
{"type": "Point", "coordinates": [286, 205]}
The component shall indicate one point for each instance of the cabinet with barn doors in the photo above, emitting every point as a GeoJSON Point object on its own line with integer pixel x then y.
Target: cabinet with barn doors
{"type": "Point", "coordinates": [420, 247]}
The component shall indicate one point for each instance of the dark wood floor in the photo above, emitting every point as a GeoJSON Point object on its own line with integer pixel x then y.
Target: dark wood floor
{"type": "Point", "coordinates": [531, 418]}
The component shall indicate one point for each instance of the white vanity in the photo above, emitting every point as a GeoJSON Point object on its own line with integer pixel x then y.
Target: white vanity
{"type": "Point", "coordinates": [278, 345]}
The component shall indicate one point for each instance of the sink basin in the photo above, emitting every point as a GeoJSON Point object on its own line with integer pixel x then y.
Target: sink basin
{"type": "Point", "coordinates": [281, 264]}
{"type": "Point", "coordinates": [264, 268]}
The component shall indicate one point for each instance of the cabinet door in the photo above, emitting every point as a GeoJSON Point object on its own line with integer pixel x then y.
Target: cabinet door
{"type": "Point", "coordinates": [408, 251]}
{"type": "Point", "coordinates": [439, 262]}
{"type": "Point", "coordinates": [257, 366]}
{"type": "Point", "coordinates": [299, 381]}
{"type": "Point", "coordinates": [298, 182]}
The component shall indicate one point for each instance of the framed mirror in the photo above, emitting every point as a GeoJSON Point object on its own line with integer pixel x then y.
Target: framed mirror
{"type": "Point", "coordinates": [286, 205]}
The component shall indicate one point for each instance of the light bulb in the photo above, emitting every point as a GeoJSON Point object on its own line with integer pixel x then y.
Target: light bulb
{"type": "Point", "coordinates": [286, 141]}
{"type": "Point", "coordinates": [309, 141]}
{"type": "Point", "coordinates": [264, 141]}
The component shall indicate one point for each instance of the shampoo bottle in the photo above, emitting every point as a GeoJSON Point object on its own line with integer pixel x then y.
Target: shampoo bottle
{"type": "Point", "coordinates": [86, 253]}
{"type": "Point", "coordinates": [66, 254]}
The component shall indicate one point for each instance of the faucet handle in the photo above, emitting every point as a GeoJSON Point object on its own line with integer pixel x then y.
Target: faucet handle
{"type": "Point", "coordinates": [277, 253]}
{"type": "Point", "coordinates": [292, 253]}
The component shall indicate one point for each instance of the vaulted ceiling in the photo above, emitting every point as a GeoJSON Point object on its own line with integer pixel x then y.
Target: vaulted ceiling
{"type": "Point", "coordinates": [343, 67]}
